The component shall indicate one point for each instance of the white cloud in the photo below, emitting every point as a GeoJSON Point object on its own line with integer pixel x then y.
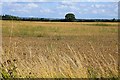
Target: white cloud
{"type": "Point", "coordinates": [19, 11]}
{"type": "Point", "coordinates": [68, 6]}
{"type": "Point", "coordinates": [24, 0]}
{"type": "Point", "coordinates": [31, 5]}
{"type": "Point", "coordinates": [75, 8]}
{"type": "Point", "coordinates": [101, 11]}
{"type": "Point", "coordinates": [46, 11]}
{"type": "Point", "coordinates": [81, 8]}
{"type": "Point", "coordinates": [66, 3]}
{"type": "Point", "coordinates": [31, 16]}
{"type": "Point", "coordinates": [59, 0]}
{"type": "Point", "coordinates": [70, 12]}
{"type": "Point", "coordinates": [13, 4]}
{"type": "Point", "coordinates": [21, 7]}
{"type": "Point", "coordinates": [116, 9]}
{"type": "Point", "coordinates": [99, 5]}
{"type": "Point", "coordinates": [62, 8]}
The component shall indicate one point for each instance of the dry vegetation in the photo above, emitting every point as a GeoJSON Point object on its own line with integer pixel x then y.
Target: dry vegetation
{"type": "Point", "coordinates": [59, 50]}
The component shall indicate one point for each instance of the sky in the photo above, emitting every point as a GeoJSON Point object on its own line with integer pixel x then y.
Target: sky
{"type": "Point", "coordinates": [59, 0]}
{"type": "Point", "coordinates": [82, 10]}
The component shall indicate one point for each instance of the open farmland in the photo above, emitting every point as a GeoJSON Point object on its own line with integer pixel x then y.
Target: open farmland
{"type": "Point", "coordinates": [59, 49]}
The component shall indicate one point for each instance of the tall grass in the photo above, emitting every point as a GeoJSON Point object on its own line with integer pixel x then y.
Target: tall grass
{"type": "Point", "coordinates": [59, 50]}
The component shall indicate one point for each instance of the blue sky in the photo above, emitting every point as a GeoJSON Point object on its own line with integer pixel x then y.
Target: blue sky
{"type": "Point", "coordinates": [82, 10]}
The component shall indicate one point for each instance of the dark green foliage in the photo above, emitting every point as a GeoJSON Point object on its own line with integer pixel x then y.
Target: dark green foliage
{"type": "Point", "coordinates": [8, 72]}
{"type": "Point", "coordinates": [70, 17]}
{"type": "Point", "coordinates": [10, 17]}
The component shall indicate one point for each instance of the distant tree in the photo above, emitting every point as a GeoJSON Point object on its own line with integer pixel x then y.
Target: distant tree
{"type": "Point", "coordinates": [0, 17]}
{"type": "Point", "coordinates": [113, 19]}
{"type": "Point", "coordinates": [70, 17]}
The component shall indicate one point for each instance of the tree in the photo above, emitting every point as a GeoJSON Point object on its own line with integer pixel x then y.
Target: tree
{"type": "Point", "coordinates": [113, 19]}
{"type": "Point", "coordinates": [70, 17]}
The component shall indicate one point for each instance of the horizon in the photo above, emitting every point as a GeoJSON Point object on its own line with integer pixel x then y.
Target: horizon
{"type": "Point", "coordinates": [59, 18]}
{"type": "Point", "coordinates": [57, 10]}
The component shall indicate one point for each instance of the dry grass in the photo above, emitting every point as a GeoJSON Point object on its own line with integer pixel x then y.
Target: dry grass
{"type": "Point", "coordinates": [59, 50]}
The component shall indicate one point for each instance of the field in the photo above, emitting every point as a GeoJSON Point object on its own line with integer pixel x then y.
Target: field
{"type": "Point", "coordinates": [59, 49]}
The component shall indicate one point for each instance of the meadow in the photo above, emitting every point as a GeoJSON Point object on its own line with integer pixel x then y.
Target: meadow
{"type": "Point", "coordinates": [59, 49]}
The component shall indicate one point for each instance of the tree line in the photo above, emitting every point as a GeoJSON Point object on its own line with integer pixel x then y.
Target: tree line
{"type": "Point", "coordinates": [68, 18]}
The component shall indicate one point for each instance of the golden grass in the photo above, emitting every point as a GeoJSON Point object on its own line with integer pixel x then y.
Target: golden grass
{"type": "Point", "coordinates": [59, 50]}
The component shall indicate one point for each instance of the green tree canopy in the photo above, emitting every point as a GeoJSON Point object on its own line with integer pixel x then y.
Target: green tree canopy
{"type": "Point", "coordinates": [70, 17]}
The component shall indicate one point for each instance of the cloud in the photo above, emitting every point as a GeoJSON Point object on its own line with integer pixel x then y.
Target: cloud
{"type": "Point", "coordinates": [19, 11]}
{"type": "Point", "coordinates": [68, 6]}
{"type": "Point", "coordinates": [83, 8]}
{"type": "Point", "coordinates": [67, 3]}
{"type": "Point", "coordinates": [24, 0]}
{"type": "Point", "coordinates": [46, 11]}
{"type": "Point", "coordinates": [54, 9]}
{"type": "Point", "coordinates": [21, 7]}
{"type": "Point", "coordinates": [31, 5]}
{"type": "Point", "coordinates": [98, 11]}
{"type": "Point", "coordinates": [59, 0]}
{"type": "Point", "coordinates": [116, 9]}
{"type": "Point", "coordinates": [99, 5]}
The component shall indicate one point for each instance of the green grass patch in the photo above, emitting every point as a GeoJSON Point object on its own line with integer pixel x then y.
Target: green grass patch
{"type": "Point", "coordinates": [100, 24]}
